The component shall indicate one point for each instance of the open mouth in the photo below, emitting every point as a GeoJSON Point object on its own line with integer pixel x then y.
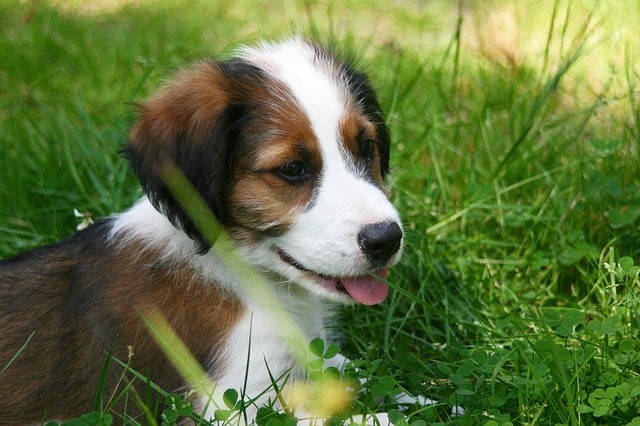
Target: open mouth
{"type": "Point", "coordinates": [366, 289]}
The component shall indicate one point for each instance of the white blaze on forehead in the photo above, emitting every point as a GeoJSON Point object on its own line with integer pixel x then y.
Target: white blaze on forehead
{"type": "Point", "coordinates": [312, 80]}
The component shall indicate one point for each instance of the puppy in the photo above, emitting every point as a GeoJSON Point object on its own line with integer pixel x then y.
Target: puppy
{"type": "Point", "coordinates": [286, 145]}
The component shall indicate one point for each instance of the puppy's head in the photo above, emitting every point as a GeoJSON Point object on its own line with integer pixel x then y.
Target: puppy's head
{"type": "Point", "coordinates": [288, 147]}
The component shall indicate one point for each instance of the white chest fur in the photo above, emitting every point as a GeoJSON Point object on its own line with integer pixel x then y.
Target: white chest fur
{"type": "Point", "coordinates": [265, 345]}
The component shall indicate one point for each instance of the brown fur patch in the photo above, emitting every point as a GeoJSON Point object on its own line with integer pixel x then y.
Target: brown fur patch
{"type": "Point", "coordinates": [187, 106]}
{"type": "Point", "coordinates": [261, 201]}
{"type": "Point", "coordinates": [80, 300]}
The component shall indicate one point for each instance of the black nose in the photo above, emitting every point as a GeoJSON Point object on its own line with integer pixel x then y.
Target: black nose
{"type": "Point", "coordinates": [379, 241]}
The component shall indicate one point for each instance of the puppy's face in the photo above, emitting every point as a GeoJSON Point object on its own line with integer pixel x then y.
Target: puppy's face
{"type": "Point", "coordinates": [288, 147]}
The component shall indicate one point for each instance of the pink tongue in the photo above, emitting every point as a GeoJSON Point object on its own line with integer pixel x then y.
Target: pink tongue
{"type": "Point", "coordinates": [367, 290]}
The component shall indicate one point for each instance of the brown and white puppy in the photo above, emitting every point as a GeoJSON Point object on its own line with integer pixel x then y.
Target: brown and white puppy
{"type": "Point", "coordinates": [287, 146]}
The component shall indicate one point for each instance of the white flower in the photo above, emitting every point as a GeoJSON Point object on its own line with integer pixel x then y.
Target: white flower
{"type": "Point", "coordinates": [86, 219]}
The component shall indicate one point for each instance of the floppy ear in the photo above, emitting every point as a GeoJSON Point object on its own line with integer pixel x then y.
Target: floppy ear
{"type": "Point", "coordinates": [193, 123]}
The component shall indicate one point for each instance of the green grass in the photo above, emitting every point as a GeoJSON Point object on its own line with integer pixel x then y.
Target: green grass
{"type": "Point", "coordinates": [516, 129]}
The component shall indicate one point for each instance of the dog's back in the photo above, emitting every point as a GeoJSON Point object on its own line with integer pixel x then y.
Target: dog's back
{"type": "Point", "coordinates": [41, 294]}
{"type": "Point", "coordinates": [62, 314]}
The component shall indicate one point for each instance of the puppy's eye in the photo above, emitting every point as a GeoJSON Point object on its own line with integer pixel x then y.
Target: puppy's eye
{"type": "Point", "coordinates": [294, 172]}
{"type": "Point", "coordinates": [367, 148]}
